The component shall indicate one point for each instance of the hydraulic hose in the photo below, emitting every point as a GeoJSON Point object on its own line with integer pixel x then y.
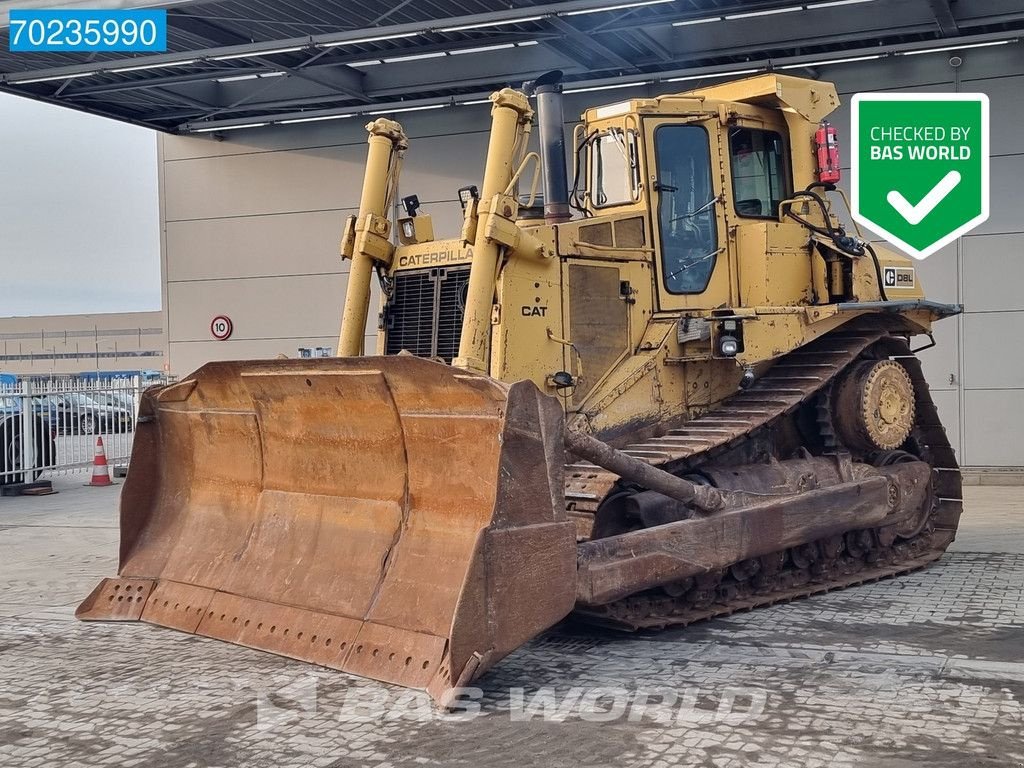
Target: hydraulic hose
{"type": "Point", "coordinates": [836, 234]}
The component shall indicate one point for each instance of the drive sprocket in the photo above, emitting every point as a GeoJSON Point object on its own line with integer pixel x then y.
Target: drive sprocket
{"type": "Point", "coordinates": [873, 406]}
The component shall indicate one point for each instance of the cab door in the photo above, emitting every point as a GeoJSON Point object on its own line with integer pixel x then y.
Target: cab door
{"type": "Point", "coordinates": [689, 220]}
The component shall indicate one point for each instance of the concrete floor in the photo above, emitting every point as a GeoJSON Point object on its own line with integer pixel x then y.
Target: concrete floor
{"type": "Point", "coordinates": [922, 670]}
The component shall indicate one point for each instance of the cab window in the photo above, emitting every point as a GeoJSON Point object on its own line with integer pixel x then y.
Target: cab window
{"type": "Point", "coordinates": [615, 173]}
{"type": "Point", "coordinates": [759, 177]}
{"type": "Point", "coordinates": [686, 208]}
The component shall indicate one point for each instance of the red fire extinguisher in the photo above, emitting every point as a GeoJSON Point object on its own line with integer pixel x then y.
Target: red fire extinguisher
{"type": "Point", "coordinates": [827, 147]}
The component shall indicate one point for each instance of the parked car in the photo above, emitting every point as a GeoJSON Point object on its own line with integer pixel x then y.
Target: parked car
{"type": "Point", "coordinates": [11, 442]}
{"type": "Point", "coordinates": [115, 400]}
{"type": "Point", "coordinates": [74, 413]}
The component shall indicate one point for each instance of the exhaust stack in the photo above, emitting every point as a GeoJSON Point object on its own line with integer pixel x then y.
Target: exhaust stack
{"type": "Point", "coordinates": [548, 90]}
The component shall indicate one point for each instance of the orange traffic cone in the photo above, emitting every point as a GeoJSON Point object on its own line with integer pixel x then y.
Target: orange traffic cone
{"type": "Point", "coordinates": [100, 471]}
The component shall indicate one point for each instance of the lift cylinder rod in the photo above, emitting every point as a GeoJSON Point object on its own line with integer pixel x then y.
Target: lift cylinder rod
{"type": "Point", "coordinates": [509, 113]}
{"type": "Point", "coordinates": [386, 144]}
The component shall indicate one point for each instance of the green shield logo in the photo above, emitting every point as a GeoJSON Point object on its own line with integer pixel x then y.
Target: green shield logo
{"type": "Point", "coordinates": [920, 166]}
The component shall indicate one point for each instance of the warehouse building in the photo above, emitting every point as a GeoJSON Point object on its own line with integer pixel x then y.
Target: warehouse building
{"type": "Point", "coordinates": [262, 145]}
{"type": "Point", "coordinates": [61, 344]}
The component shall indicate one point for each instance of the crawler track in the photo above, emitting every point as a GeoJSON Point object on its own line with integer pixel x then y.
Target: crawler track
{"type": "Point", "coordinates": [855, 558]}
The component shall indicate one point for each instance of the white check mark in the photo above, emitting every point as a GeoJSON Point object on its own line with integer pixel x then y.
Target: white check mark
{"type": "Point", "coordinates": [915, 214]}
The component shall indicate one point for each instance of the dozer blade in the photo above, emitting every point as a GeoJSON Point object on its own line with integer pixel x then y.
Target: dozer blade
{"type": "Point", "coordinates": [390, 517]}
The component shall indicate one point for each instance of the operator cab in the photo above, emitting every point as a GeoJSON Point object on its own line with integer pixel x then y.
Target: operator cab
{"type": "Point", "coordinates": [695, 168]}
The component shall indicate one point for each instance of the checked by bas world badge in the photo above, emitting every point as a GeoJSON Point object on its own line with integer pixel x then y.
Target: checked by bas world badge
{"type": "Point", "coordinates": [920, 166]}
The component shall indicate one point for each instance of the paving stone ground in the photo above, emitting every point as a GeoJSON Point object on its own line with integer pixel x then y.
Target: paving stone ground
{"type": "Point", "coordinates": [924, 670]}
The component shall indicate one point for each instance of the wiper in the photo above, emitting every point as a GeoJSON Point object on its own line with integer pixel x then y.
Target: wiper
{"type": "Point", "coordinates": [709, 204]}
{"type": "Point", "coordinates": [695, 262]}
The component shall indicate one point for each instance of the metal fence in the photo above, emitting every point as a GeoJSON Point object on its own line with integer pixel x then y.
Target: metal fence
{"type": "Point", "coordinates": [52, 425]}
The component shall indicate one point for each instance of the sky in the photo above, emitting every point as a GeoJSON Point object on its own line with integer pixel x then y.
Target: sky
{"type": "Point", "coordinates": [79, 212]}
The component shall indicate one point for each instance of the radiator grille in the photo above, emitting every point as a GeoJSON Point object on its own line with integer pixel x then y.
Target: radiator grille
{"type": "Point", "coordinates": [424, 314]}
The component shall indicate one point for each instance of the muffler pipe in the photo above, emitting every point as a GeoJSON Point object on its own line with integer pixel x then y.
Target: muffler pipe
{"type": "Point", "coordinates": [603, 455]}
{"type": "Point", "coordinates": [548, 90]}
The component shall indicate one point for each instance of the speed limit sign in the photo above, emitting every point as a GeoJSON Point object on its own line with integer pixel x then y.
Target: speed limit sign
{"type": "Point", "coordinates": [221, 327]}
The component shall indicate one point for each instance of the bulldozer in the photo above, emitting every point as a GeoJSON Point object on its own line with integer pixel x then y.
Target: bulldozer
{"type": "Point", "coordinates": [656, 384]}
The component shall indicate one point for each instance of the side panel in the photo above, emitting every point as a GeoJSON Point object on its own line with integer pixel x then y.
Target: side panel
{"type": "Point", "coordinates": [598, 323]}
{"type": "Point", "coordinates": [774, 264]}
{"type": "Point", "coordinates": [527, 323]}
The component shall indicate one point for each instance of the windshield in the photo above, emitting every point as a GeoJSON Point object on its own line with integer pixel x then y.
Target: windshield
{"type": "Point", "coordinates": [686, 208]}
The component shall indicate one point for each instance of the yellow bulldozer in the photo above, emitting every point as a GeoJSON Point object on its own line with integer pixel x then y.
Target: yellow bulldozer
{"type": "Point", "coordinates": [662, 386]}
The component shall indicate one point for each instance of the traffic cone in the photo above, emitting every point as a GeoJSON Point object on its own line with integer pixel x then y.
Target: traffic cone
{"type": "Point", "coordinates": [100, 471]}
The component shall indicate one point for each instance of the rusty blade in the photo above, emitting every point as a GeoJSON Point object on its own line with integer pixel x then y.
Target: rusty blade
{"type": "Point", "coordinates": [390, 517]}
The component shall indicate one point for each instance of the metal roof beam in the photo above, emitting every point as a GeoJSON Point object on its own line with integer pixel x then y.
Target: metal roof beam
{"type": "Point", "coordinates": [462, 83]}
{"type": "Point", "coordinates": [944, 17]}
{"type": "Point", "coordinates": [343, 80]}
{"type": "Point", "coordinates": [691, 75]}
{"type": "Point", "coordinates": [663, 53]}
{"type": "Point", "coordinates": [352, 83]}
{"type": "Point", "coordinates": [350, 36]}
{"type": "Point", "coordinates": [135, 85]}
{"type": "Point", "coordinates": [546, 10]}
{"type": "Point", "coordinates": [218, 34]}
{"type": "Point", "coordinates": [555, 46]}
{"type": "Point", "coordinates": [184, 97]}
{"type": "Point", "coordinates": [588, 42]}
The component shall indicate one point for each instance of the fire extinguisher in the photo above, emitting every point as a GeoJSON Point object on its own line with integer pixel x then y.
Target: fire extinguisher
{"type": "Point", "coordinates": [826, 145]}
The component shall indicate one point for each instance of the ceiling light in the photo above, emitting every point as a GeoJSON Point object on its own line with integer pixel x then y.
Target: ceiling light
{"type": "Point", "coordinates": [367, 63]}
{"type": "Point", "coordinates": [772, 12]}
{"type": "Point", "coordinates": [253, 54]}
{"type": "Point", "coordinates": [51, 78]}
{"type": "Point", "coordinates": [497, 47]}
{"type": "Point", "coordinates": [691, 22]}
{"type": "Point", "coordinates": [227, 127]}
{"type": "Point", "coordinates": [606, 87]}
{"type": "Point", "coordinates": [405, 109]}
{"type": "Point", "coordinates": [956, 47]}
{"type": "Point", "coordinates": [485, 24]}
{"type": "Point", "coordinates": [621, 7]}
{"type": "Point", "coordinates": [361, 40]}
{"type": "Point", "coordinates": [140, 67]}
{"type": "Point", "coordinates": [833, 3]}
{"type": "Point", "coordinates": [832, 61]}
{"type": "Point", "coordinates": [474, 101]}
{"type": "Point", "coordinates": [414, 57]}
{"type": "Point", "coordinates": [711, 74]}
{"type": "Point", "coordinates": [483, 48]}
{"type": "Point", "coordinates": [316, 119]}
{"type": "Point", "coordinates": [239, 78]}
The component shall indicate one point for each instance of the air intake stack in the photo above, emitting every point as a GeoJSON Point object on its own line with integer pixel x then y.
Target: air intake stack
{"type": "Point", "coordinates": [548, 90]}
